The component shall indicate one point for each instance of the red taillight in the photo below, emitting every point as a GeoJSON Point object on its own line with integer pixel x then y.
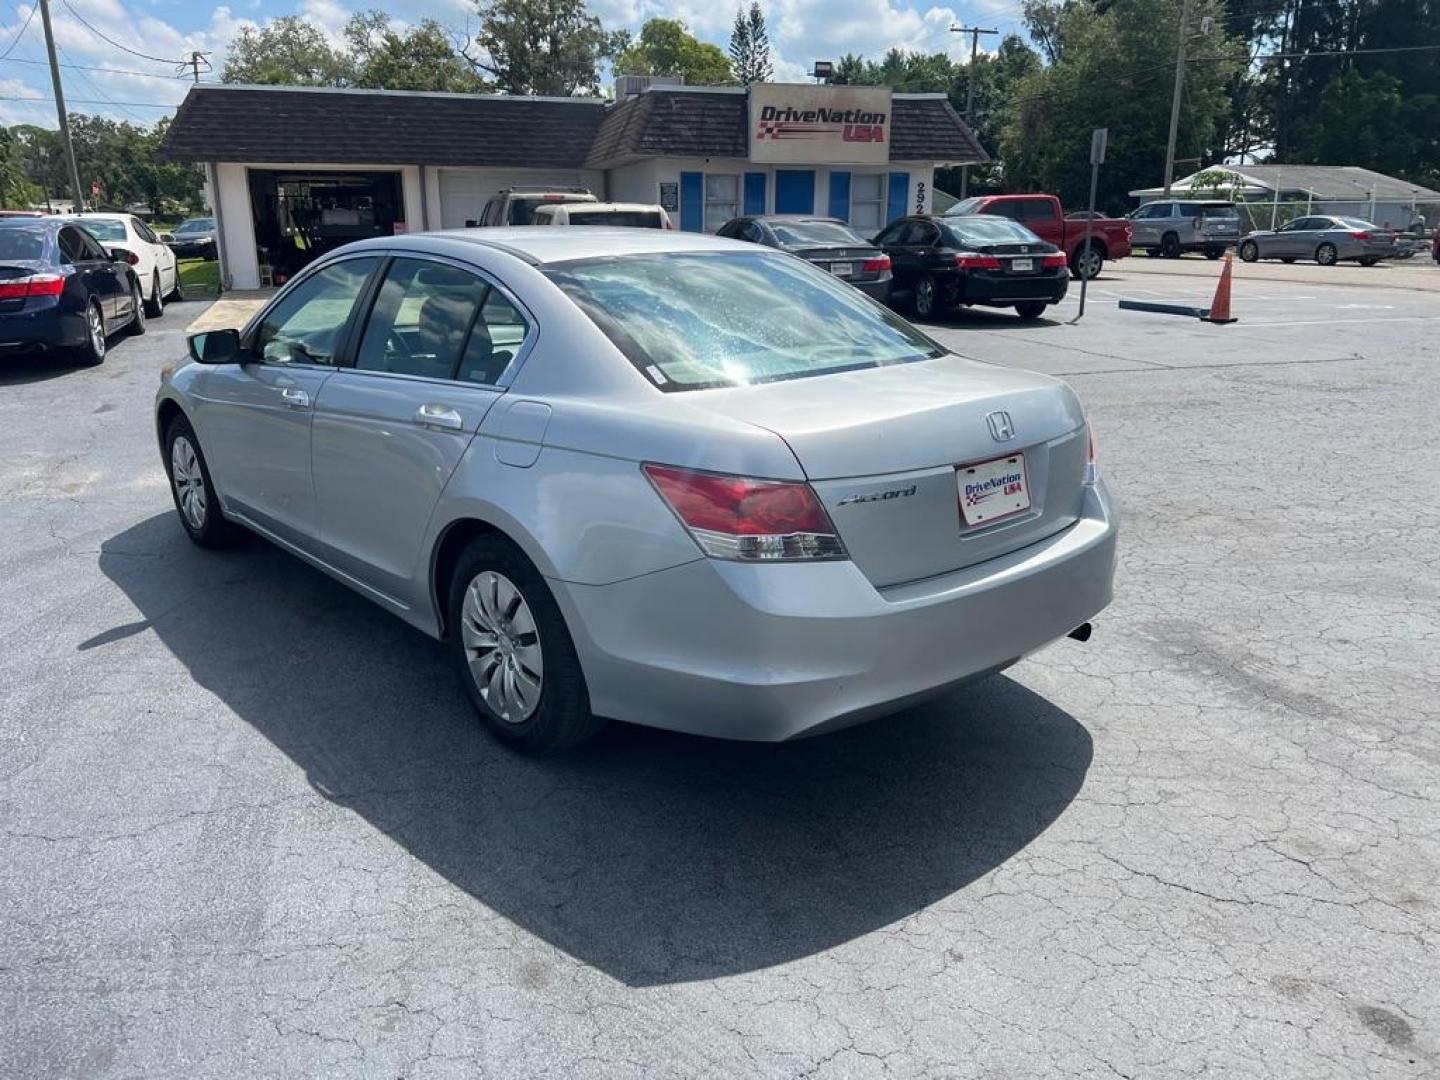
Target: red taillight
{"type": "Point", "coordinates": [966, 261]}
{"type": "Point", "coordinates": [34, 285]}
{"type": "Point", "coordinates": [876, 266]}
{"type": "Point", "coordinates": [1053, 262]}
{"type": "Point", "coordinates": [130, 257]}
{"type": "Point", "coordinates": [1360, 234]}
{"type": "Point", "coordinates": [735, 517]}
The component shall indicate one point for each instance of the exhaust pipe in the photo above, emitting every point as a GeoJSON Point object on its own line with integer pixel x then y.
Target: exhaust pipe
{"type": "Point", "coordinates": [1081, 632]}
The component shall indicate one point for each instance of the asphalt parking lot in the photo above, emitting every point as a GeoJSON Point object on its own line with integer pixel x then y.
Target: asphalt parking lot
{"type": "Point", "coordinates": [249, 827]}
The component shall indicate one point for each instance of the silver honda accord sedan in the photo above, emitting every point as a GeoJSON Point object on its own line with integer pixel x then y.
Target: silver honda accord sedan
{"type": "Point", "coordinates": [652, 476]}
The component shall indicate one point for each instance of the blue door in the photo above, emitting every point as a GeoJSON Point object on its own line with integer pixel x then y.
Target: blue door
{"type": "Point", "coordinates": [840, 195]}
{"type": "Point", "coordinates": [795, 191]}
{"type": "Point", "coordinates": [898, 196]}
{"type": "Point", "coordinates": [754, 193]}
{"type": "Point", "coordinates": [692, 201]}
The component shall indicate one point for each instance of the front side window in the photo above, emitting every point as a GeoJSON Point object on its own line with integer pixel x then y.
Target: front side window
{"type": "Point", "coordinates": [304, 325]}
{"type": "Point", "coordinates": [867, 201]}
{"type": "Point", "coordinates": [722, 199]}
{"type": "Point", "coordinates": [693, 320]}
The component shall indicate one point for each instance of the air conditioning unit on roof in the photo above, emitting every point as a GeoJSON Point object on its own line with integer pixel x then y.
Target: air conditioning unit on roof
{"type": "Point", "coordinates": [628, 86]}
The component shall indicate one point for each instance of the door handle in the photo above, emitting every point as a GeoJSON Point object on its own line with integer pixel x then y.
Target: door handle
{"type": "Point", "coordinates": [296, 399]}
{"type": "Point", "coordinates": [441, 417]}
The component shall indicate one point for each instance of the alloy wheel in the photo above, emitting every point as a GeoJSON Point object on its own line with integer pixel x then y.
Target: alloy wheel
{"type": "Point", "coordinates": [96, 325]}
{"type": "Point", "coordinates": [1089, 264]}
{"type": "Point", "coordinates": [924, 296]}
{"type": "Point", "coordinates": [189, 481]}
{"type": "Point", "coordinates": [502, 646]}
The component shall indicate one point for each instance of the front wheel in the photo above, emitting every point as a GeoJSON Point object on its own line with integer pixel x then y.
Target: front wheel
{"type": "Point", "coordinates": [1031, 309]}
{"type": "Point", "coordinates": [514, 653]}
{"type": "Point", "coordinates": [1087, 264]}
{"type": "Point", "coordinates": [925, 297]}
{"type": "Point", "coordinates": [1326, 254]}
{"type": "Point", "coordinates": [192, 488]}
{"type": "Point", "coordinates": [1249, 251]}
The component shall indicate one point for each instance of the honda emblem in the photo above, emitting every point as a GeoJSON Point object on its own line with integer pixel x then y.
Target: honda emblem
{"type": "Point", "coordinates": [1001, 426]}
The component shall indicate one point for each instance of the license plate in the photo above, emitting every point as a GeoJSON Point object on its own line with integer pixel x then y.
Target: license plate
{"type": "Point", "coordinates": [842, 269]}
{"type": "Point", "coordinates": [994, 489]}
{"type": "Point", "coordinates": [1022, 265]}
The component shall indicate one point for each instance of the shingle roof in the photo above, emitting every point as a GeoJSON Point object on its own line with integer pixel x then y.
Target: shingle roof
{"type": "Point", "coordinates": [688, 123]}
{"type": "Point", "coordinates": [286, 124]}
{"type": "Point", "coordinates": [1330, 182]}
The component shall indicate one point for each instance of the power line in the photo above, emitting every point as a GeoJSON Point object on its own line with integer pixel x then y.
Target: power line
{"type": "Point", "coordinates": [97, 67]}
{"type": "Point", "coordinates": [123, 48]}
{"type": "Point", "coordinates": [11, 47]}
{"type": "Point", "coordinates": [92, 101]}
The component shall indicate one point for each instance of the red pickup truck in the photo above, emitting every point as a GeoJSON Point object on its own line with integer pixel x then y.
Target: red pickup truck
{"type": "Point", "coordinates": [1042, 215]}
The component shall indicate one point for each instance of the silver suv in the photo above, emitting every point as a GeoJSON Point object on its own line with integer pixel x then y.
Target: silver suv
{"type": "Point", "coordinates": [1171, 227]}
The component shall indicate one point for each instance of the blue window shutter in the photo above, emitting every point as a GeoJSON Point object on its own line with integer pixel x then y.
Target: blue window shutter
{"type": "Point", "coordinates": [754, 193]}
{"type": "Point", "coordinates": [898, 196]}
{"type": "Point", "coordinates": [840, 195]}
{"type": "Point", "coordinates": [692, 201]}
{"type": "Point", "coordinates": [794, 191]}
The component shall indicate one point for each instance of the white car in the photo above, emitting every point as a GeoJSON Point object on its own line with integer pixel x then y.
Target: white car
{"type": "Point", "coordinates": [153, 262]}
{"type": "Point", "coordinates": [632, 215]}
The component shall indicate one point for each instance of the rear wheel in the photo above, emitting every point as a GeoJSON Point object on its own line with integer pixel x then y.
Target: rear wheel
{"type": "Point", "coordinates": [155, 306]}
{"type": "Point", "coordinates": [1170, 246]}
{"type": "Point", "coordinates": [1249, 251]}
{"type": "Point", "coordinates": [1368, 262]}
{"type": "Point", "coordinates": [92, 352]}
{"type": "Point", "coordinates": [514, 653]}
{"type": "Point", "coordinates": [925, 296]}
{"type": "Point", "coordinates": [1326, 255]}
{"type": "Point", "coordinates": [193, 490]}
{"type": "Point", "coordinates": [1288, 261]}
{"type": "Point", "coordinates": [1214, 252]}
{"type": "Point", "coordinates": [137, 318]}
{"type": "Point", "coordinates": [1031, 309]}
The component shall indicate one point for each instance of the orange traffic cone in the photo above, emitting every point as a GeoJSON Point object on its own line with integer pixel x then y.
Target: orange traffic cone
{"type": "Point", "coordinates": [1220, 307]}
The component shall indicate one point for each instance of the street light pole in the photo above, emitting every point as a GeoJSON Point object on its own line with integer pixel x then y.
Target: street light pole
{"type": "Point", "coordinates": [60, 106]}
{"type": "Point", "coordinates": [1184, 37]}
{"type": "Point", "coordinates": [974, 33]}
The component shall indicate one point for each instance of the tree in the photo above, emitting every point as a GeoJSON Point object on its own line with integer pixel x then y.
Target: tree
{"type": "Point", "coordinates": [16, 190]}
{"type": "Point", "coordinates": [666, 47]}
{"type": "Point", "coordinates": [551, 47]}
{"type": "Point", "coordinates": [286, 51]}
{"type": "Point", "coordinates": [424, 57]}
{"type": "Point", "coordinates": [750, 47]}
{"type": "Point", "coordinates": [1367, 120]}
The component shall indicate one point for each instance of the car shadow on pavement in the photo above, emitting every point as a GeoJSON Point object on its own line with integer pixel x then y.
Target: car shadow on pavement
{"type": "Point", "coordinates": [979, 318]}
{"type": "Point", "coordinates": [36, 367]}
{"type": "Point", "coordinates": [656, 858]}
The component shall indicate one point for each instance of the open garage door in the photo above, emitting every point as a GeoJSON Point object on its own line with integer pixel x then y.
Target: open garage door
{"type": "Point", "coordinates": [464, 192]}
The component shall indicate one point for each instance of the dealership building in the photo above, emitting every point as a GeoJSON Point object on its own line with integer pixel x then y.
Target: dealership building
{"type": "Point", "coordinates": [292, 172]}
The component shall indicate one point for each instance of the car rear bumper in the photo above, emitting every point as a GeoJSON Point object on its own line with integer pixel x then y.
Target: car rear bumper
{"type": "Point", "coordinates": [37, 331]}
{"type": "Point", "coordinates": [1002, 290]}
{"type": "Point", "coordinates": [774, 652]}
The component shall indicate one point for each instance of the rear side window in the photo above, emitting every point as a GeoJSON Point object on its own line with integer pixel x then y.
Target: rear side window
{"type": "Point", "coordinates": [22, 245]}
{"type": "Point", "coordinates": [72, 245]}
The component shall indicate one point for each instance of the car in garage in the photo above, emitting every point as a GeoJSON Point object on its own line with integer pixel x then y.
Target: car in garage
{"type": "Point", "coordinates": [193, 238]}
{"type": "Point", "coordinates": [982, 259]}
{"type": "Point", "coordinates": [1323, 238]}
{"type": "Point", "coordinates": [648, 475]}
{"type": "Point", "coordinates": [60, 291]}
{"type": "Point", "coordinates": [154, 263]}
{"type": "Point", "coordinates": [827, 242]}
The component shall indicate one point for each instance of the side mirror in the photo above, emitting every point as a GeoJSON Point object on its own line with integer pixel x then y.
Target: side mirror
{"type": "Point", "coordinates": [167, 238]}
{"type": "Point", "coordinates": [215, 347]}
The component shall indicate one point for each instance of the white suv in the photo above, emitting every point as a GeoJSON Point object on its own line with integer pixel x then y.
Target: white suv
{"type": "Point", "coordinates": [516, 206]}
{"type": "Point", "coordinates": [632, 215]}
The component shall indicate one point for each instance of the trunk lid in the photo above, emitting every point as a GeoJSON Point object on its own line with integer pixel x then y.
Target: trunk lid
{"type": "Point", "coordinates": [881, 449]}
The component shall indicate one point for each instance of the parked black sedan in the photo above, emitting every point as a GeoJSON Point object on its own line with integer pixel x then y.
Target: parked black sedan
{"type": "Point", "coordinates": [60, 290]}
{"type": "Point", "coordinates": [827, 242]}
{"type": "Point", "coordinates": [978, 259]}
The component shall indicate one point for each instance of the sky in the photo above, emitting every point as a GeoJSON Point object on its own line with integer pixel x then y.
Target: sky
{"type": "Point", "coordinates": [102, 77]}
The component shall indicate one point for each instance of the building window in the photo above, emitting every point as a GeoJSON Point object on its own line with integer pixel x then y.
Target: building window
{"type": "Point", "coordinates": [722, 199]}
{"type": "Point", "coordinates": [867, 202]}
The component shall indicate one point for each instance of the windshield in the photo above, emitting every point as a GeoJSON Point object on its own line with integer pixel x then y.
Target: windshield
{"type": "Point", "coordinates": [988, 229]}
{"type": "Point", "coordinates": [22, 244]}
{"type": "Point", "coordinates": [816, 234]}
{"type": "Point", "coordinates": [965, 206]}
{"type": "Point", "coordinates": [727, 319]}
{"type": "Point", "coordinates": [637, 219]}
{"type": "Point", "coordinates": [195, 225]}
{"type": "Point", "coordinates": [104, 230]}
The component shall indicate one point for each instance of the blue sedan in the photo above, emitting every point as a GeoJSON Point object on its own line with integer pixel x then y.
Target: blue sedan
{"type": "Point", "coordinates": [60, 290]}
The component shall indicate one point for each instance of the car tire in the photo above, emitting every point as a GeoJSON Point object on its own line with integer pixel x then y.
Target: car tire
{"type": "Point", "coordinates": [925, 297]}
{"type": "Point", "coordinates": [496, 595]}
{"type": "Point", "coordinates": [136, 326]}
{"type": "Point", "coordinates": [178, 292]}
{"type": "Point", "coordinates": [1288, 261]}
{"type": "Point", "coordinates": [192, 489]}
{"type": "Point", "coordinates": [1326, 255]}
{"type": "Point", "coordinates": [92, 353]}
{"type": "Point", "coordinates": [155, 306]}
{"type": "Point", "coordinates": [1170, 246]}
{"type": "Point", "coordinates": [1249, 251]}
{"type": "Point", "coordinates": [1214, 252]}
{"type": "Point", "coordinates": [1153, 253]}
{"type": "Point", "coordinates": [1368, 262]}
{"type": "Point", "coordinates": [1089, 260]}
{"type": "Point", "coordinates": [1031, 310]}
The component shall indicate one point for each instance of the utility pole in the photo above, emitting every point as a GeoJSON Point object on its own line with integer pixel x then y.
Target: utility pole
{"type": "Point", "coordinates": [1184, 38]}
{"type": "Point", "coordinates": [196, 59]}
{"type": "Point", "coordinates": [60, 107]}
{"type": "Point", "coordinates": [974, 32]}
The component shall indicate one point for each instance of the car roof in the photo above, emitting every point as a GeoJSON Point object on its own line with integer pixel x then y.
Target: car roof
{"type": "Point", "coordinates": [796, 217]}
{"type": "Point", "coordinates": [100, 215]}
{"type": "Point", "coordinates": [539, 245]}
{"type": "Point", "coordinates": [592, 207]}
{"type": "Point", "coordinates": [48, 222]}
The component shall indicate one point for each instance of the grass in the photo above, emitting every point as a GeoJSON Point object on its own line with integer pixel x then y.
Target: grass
{"type": "Point", "coordinates": [199, 278]}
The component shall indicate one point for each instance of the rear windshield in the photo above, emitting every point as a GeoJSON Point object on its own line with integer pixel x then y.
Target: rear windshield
{"type": "Point", "coordinates": [105, 230]}
{"type": "Point", "coordinates": [965, 206]}
{"type": "Point", "coordinates": [635, 219]}
{"type": "Point", "coordinates": [522, 210]}
{"type": "Point", "coordinates": [988, 229]}
{"type": "Point", "coordinates": [1208, 210]}
{"type": "Point", "coordinates": [22, 244]}
{"type": "Point", "coordinates": [196, 225]}
{"type": "Point", "coordinates": [816, 234]}
{"type": "Point", "coordinates": [696, 320]}
{"type": "Point", "coordinates": [1355, 223]}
